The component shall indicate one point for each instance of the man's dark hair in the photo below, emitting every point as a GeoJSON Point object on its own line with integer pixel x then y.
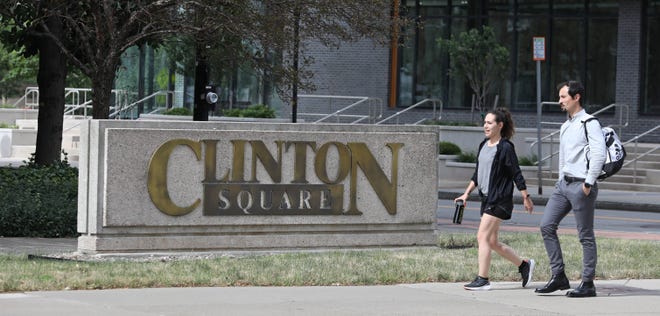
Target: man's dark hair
{"type": "Point", "coordinates": [574, 87]}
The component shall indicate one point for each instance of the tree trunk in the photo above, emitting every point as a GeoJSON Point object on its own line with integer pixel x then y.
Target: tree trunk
{"type": "Point", "coordinates": [51, 80]}
{"type": "Point", "coordinates": [102, 93]}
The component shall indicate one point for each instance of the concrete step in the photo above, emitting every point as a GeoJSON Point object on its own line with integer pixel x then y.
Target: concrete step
{"type": "Point", "coordinates": [24, 137]}
{"type": "Point", "coordinates": [67, 124]}
{"type": "Point", "coordinates": [644, 165]}
{"type": "Point", "coordinates": [22, 151]}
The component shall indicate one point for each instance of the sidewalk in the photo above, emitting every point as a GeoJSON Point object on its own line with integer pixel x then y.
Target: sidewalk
{"type": "Point", "coordinates": [615, 297]}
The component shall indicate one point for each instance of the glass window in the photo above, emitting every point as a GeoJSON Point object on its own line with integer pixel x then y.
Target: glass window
{"type": "Point", "coordinates": [604, 7]}
{"type": "Point", "coordinates": [601, 63]}
{"type": "Point", "coordinates": [524, 87]}
{"type": "Point", "coordinates": [580, 37]}
{"type": "Point", "coordinates": [431, 69]}
{"type": "Point", "coordinates": [567, 51]}
{"type": "Point", "coordinates": [651, 98]}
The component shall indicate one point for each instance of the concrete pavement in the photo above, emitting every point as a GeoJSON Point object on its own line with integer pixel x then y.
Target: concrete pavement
{"type": "Point", "coordinates": [615, 297]}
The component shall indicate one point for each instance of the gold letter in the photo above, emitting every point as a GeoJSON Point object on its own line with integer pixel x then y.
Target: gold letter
{"type": "Point", "coordinates": [343, 166]}
{"type": "Point", "coordinates": [238, 164]}
{"type": "Point", "coordinates": [261, 153]}
{"type": "Point", "coordinates": [300, 160]}
{"type": "Point", "coordinates": [157, 177]}
{"type": "Point", "coordinates": [386, 190]}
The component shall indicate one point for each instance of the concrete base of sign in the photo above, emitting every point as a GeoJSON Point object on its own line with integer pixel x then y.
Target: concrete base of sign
{"type": "Point", "coordinates": [154, 186]}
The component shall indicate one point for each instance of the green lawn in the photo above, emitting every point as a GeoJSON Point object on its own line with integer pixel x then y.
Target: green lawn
{"type": "Point", "coordinates": [453, 260]}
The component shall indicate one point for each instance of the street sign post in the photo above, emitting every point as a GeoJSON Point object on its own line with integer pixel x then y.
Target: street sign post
{"type": "Point", "coordinates": [538, 46]}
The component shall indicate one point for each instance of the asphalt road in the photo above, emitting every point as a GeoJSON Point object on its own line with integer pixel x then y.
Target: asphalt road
{"type": "Point", "coordinates": [614, 223]}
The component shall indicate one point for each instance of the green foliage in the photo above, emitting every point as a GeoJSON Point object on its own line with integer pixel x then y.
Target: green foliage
{"type": "Point", "coordinates": [39, 201]}
{"type": "Point", "coordinates": [256, 110]}
{"type": "Point", "coordinates": [448, 148]}
{"type": "Point", "coordinates": [5, 125]}
{"type": "Point", "coordinates": [478, 56]}
{"type": "Point", "coordinates": [527, 161]}
{"type": "Point", "coordinates": [16, 71]}
{"type": "Point", "coordinates": [467, 157]}
{"type": "Point", "coordinates": [178, 111]}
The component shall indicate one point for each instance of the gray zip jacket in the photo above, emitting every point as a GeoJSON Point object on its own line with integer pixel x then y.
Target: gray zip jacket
{"type": "Point", "coordinates": [574, 148]}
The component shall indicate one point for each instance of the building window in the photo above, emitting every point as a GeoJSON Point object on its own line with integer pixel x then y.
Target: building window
{"type": "Point", "coordinates": [651, 96]}
{"type": "Point", "coordinates": [581, 41]}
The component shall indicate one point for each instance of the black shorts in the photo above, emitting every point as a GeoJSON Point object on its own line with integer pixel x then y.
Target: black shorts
{"type": "Point", "coordinates": [500, 211]}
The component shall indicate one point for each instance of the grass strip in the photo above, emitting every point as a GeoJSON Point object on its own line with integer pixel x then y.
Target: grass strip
{"type": "Point", "coordinates": [453, 260]}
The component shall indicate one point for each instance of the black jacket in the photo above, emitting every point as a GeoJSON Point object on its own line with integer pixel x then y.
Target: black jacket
{"type": "Point", "coordinates": [504, 173]}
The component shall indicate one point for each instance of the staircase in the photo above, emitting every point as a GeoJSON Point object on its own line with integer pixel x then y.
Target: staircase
{"type": "Point", "coordinates": [20, 143]}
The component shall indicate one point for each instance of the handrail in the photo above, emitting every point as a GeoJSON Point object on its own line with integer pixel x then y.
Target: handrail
{"type": "Point", "coordinates": [340, 110]}
{"type": "Point", "coordinates": [360, 100]}
{"type": "Point", "coordinates": [29, 91]}
{"type": "Point", "coordinates": [434, 101]}
{"type": "Point", "coordinates": [638, 156]}
{"type": "Point", "coordinates": [84, 106]}
{"type": "Point", "coordinates": [123, 109]}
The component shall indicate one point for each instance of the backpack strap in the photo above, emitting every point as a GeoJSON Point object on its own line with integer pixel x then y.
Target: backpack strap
{"type": "Point", "coordinates": [586, 133]}
{"type": "Point", "coordinates": [584, 123]}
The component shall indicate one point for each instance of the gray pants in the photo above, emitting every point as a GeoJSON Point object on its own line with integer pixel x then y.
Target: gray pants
{"type": "Point", "coordinates": [565, 197]}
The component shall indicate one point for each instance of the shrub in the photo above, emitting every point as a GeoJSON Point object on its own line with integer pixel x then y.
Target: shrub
{"type": "Point", "coordinates": [178, 111]}
{"type": "Point", "coordinates": [39, 201]}
{"type": "Point", "coordinates": [467, 157]}
{"type": "Point", "coordinates": [256, 110]}
{"type": "Point", "coordinates": [5, 125]}
{"type": "Point", "coordinates": [448, 148]}
{"type": "Point", "coordinates": [527, 161]}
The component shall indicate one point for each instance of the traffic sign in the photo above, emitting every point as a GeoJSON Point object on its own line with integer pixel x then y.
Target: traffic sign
{"type": "Point", "coordinates": [539, 48]}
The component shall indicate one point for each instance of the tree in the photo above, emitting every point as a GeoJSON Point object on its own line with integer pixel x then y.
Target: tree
{"type": "Point", "coordinates": [258, 32]}
{"type": "Point", "coordinates": [477, 55]}
{"type": "Point", "coordinates": [26, 23]}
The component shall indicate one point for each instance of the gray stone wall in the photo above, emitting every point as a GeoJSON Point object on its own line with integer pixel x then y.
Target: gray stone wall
{"type": "Point", "coordinates": [135, 195]}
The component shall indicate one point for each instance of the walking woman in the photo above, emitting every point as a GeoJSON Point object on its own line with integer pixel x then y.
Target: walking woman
{"type": "Point", "coordinates": [495, 174]}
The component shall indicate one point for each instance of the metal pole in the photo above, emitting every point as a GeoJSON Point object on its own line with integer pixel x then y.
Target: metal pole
{"type": "Point", "coordinates": [538, 123]}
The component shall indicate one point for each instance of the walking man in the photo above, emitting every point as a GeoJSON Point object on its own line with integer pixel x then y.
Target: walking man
{"type": "Point", "coordinates": [580, 162]}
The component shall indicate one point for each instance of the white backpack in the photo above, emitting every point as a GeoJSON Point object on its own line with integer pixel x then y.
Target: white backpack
{"type": "Point", "coordinates": [614, 148]}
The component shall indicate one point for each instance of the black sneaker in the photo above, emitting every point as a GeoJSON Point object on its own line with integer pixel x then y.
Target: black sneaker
{"type": "Point", "coordinates": [479, 284]}
{"type": "Point", "coordinates": [526, 270]}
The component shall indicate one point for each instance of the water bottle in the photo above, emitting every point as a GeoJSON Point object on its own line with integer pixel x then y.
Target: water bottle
{"type": "Point", "coordinates": [458, 213]}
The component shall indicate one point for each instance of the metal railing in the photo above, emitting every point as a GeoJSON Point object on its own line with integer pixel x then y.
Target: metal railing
{"type": "Point", "coordinates": [126, 108]}
{"type": "Point", "coordinates": [638, 156]}
{"type": "Point", "coordinates": [374, 108]}
{"type": "Point", "coordinates": [75, 99]}
{"type": "Point", "coordinates": [30, 98]}
{"type": "Point", "coordinates": [397, 114]}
